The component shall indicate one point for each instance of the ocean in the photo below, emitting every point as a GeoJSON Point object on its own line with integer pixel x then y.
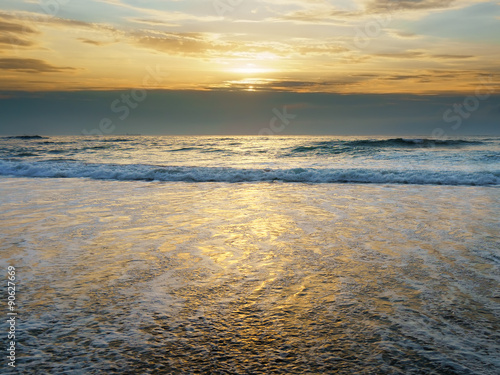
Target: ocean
{"type": "Point", "coordinates": [252, 255]}
{"type": "Point", "coordinates": [471, 161]}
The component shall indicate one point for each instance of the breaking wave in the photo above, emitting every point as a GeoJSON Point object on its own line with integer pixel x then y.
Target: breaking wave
{"type": "Point", "coordinates": [145, 172]}
{"type": "Point", "coordinates": [413, 142]}
{"type": "Point", "coordinates": [337, 147]}
{"type": "Point", "coordinates": [26, 137]}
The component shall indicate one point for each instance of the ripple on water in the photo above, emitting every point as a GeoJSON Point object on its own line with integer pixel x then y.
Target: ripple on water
{"type": "Point", "coordinates": [253, 279]}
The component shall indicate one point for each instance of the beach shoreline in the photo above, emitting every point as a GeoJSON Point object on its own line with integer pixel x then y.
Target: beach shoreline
{"type": "Point", "coordinates": [262, 277]}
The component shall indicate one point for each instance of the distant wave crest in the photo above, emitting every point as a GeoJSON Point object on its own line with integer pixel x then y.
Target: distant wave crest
{"type": "Point", "coordinates": [337, 147]}
{"type": "Point", "coordinates": [26, 137]}
{"type": "Point", "coordinates": [131, 172]}
{"type": "Point", "coordinates": [414, 142]}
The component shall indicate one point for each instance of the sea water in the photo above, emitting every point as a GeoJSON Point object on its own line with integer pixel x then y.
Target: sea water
{"type": "Point", "coordinates": [248, 255]}
{"type": "Point", "coordinates": [467, 161]}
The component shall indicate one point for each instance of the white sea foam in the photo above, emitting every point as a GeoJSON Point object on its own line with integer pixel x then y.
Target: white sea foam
{"type": "Point", "coordinates": [275, 278]}
{"type": "Point", "coordinates": [131, 172]}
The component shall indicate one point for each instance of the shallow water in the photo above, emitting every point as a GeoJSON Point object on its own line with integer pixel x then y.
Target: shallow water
{"type": "Point", "coordinates": [261, 278]}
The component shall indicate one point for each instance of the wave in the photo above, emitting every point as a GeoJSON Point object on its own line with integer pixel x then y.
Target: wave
{"type": "Point", "coordinates": [329, 148]}
{"type": "Point", "coordinates": [101, 147]}
{"type": "Point", "coordinates": [200, 149]}
{"type": "Point", "coordinates": [25, 154]}
{"type": "Point", "coordinates": [413, 142]}
{"type": "Point", "coordinates": [337, 147]}
{"type": "Point", "coordinates": [116, 140]}
{"type": "Point", "coordinates": [26, 137]}
{"type": "Point", "coordinates": [73, 150]}
{"type": "Point", "coordinates": [183, 149]}
{"type": "Point", "coordinates": [133, 172]}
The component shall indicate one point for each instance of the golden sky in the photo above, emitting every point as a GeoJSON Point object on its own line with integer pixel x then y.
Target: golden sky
{"type": "Point", "coordinates": [347, 46]}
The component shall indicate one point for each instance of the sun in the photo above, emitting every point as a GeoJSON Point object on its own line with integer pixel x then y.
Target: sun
{"type": "Point", "coordinates": [251, 69]}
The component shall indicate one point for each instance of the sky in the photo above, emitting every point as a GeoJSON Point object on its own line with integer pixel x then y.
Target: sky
{"type": "Point", "coordinates": [229, 66]}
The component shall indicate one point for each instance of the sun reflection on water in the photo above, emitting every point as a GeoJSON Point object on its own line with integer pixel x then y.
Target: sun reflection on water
{"type": "Point", "coordinates": [249, 278]}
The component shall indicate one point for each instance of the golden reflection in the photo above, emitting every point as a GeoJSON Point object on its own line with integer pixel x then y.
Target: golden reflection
{"type": "Point", "coordinates": [246, 274]}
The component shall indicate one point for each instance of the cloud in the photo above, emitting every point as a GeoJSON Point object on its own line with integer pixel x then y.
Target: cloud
{"type": "Point", "coordinates": [26, 21]}
{"type": "Point", "coordinates": [15, 41]}
{"type": "Point", "coordinates": [293, 85]}
{"type": "Point", "coordinates": [15, 34]}
{"type": "Point", "coordinates": [434, 75]}
{"type": "Point", "coordinates": [154, 22]}
{"type": "Point", "coordinates": [30, 66]}
{"type": "Point", "coordinates": [308, 85]}
{"type": "Point", "coordinates": [422, 55]}
{"type": "Point", "coordinates": [211, 45]}
{"type": "Point", "coordinates": [327, 15]}
{"type": "Point", "coordinates": [20, 30]}
{"type": "Point", "coordinates": [15, 28]}
{"type": "Point", "coordinates": [161, 14]}
{"type": "Point", "coordinates": [402, 55]}
{"type": "Point", "coordinates": [383, 6]}
{"type": "Point", "coordinates": [71, 23]}
{"type": "Point", "coordinates": [319, 48]}
{"type": "Point", "coordinates": [402, 34]}
{"type": "Point", "coordinates": [453, 57]}
{"type": "Point", "coordinates": [402, 77]}
{"type": "Point", "coordinates": [180, 43]}
{"type": "Point", "coordinates": [93, 42]}
{"type": "Point", "coordinates": [305, 47]}
{"type": "Point", "coordinates": [313, 12]}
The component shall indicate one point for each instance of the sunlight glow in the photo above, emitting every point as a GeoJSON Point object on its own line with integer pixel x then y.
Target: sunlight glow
{"type": "Point", "coordinates": [252, 69]}
{"type": "Point", "coordinates": [346, 46]}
